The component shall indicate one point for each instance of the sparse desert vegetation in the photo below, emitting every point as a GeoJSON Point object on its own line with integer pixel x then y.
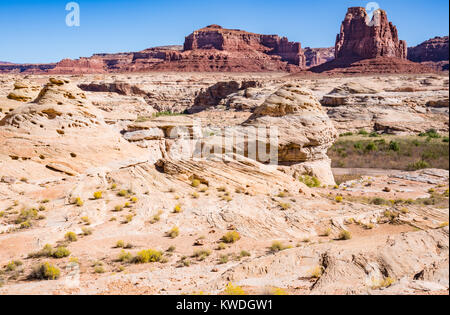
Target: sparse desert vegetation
{"type": "Point", "coordinates": [391, 152]}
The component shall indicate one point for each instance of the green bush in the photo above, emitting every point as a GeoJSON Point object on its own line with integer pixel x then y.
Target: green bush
{"type": "Point", "coordinates": [13, 265]}
{"type": "Point", "coordinates": [125, 256]}
{"type": "Point", "coordinates": [195, 183]}
{"type": "Point", "coordinates": [310, 181]}
{"type": "Point", "coordinates": [61, 252]}
{"type": "Point", "coordinates": [419, 165]}
{"type": "Point", "coordinates": [358, 146]}
{"type": "Point", "coordinates": [277, 247]}
{"type": "Point", "coordinates": [174, 232]}
{"type": "Point", "coordinates": [371, 147]}
{"type": "Point", "coordinates": [122, 193]}
{"type": "Point", "coordinates": [201, 254]}
{"type": "Point", "coordinates": [379, 201]}
{"type": "Point", "coordinates": [394, 146]}
{"type": "Point", "coordinates": [26, 215]}
{"type": "Point", "coordinates": [363, 132]}
{"type": "Point", "coordinates": [431, 133]}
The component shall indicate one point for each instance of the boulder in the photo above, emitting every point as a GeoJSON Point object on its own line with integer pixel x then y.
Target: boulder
{"type": "Point", "coordinates": [305, 132]}
{"type": "Point", "coordinates": [24, 91]}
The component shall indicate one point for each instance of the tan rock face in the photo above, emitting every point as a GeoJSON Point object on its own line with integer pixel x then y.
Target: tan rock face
{"type": "Point", "coordinates": [24, 91]}
{"type": "Point", "coordinates": [305, 131]}
{"type": "Point", "coordinates": [395, 105]}
{"type": "Point", "coordinates": [67, 132]}
{"type": "Point", "coordinates": [59, 104]}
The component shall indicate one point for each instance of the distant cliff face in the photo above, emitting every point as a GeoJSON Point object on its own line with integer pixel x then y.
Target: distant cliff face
{"type": "Point", "coordinates": [318, 56]}
{"type": "Point", "coordinates": [25, 68]}
{"type": "Point", "coordinates": [361, 38]}
{"type": "Point", "coordinates": [218, 38]}
{"type": "Point", "coordinates": [435, 49]}
{"type": "Point", "coordinates": [210, 49]}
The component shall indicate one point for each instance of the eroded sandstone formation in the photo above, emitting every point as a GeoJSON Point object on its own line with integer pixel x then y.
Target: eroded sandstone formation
{"type": "Point", "coordinates": [435, 49]}
{"type": "Point", "coordinates": [209, 49]}
{"type": "Point", "coordinates": [318, 56]}
{"type": "Point", "coordinates": [433, 52]}
{"type": "Point", "coordinates": [367, 45]}
{"type": "Point", "coordinates": [305, 131]}
{"type": "Point", "coordinates": [367, 39]}
{"type": "Point", "coordinates": [216, 37]}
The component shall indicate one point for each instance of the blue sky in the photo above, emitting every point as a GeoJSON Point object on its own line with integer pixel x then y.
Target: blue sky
{"type": "Point", "coordinates": [35, 31]}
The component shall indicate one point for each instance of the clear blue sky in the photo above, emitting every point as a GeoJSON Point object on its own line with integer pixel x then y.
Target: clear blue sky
{"type": "Point", "coordinates": [35, 31]}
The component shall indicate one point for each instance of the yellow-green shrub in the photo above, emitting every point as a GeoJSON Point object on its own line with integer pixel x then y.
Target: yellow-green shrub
{"type": "Point", "coordinates": [71, 237]}
{"type": "Point", "coordinates": [45, 271]}
{"type": "Point", "coordinates": [147, 256]}
{"type": "Point", "coordinates": [233, 290]}
{"type": "Point", "coordinates": [345, 235]}
{"type": "Point", "coordinates": [174, 232]}
{"type": "Point", "coordinates": [61, 252]}
{"type": "Point", "coordinates": [231, 237]}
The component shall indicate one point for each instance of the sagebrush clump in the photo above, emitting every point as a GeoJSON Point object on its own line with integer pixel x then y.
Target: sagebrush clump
{"type": "Point", "coordinates": [231, 237]}
{"type": "Point", "coordinates": [45, 271]}
{"type": "Point", "coordinates": [310, 181]}
{"type": "Point", "coordinates": [148, 256]}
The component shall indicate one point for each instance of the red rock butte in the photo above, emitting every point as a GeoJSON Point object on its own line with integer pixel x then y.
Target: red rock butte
{"type": "Point", "coordinates": [362, 37]}
{"type": "Point", "coordinates": [210, 49]}
{"type": "Point", "coordinates": [369, 45]}
{"type": "Point", "coordinates": [216, 37]}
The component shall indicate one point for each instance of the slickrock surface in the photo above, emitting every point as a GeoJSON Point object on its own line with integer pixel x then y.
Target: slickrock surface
{"type": "Point", "coordinates": [105, 133]}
